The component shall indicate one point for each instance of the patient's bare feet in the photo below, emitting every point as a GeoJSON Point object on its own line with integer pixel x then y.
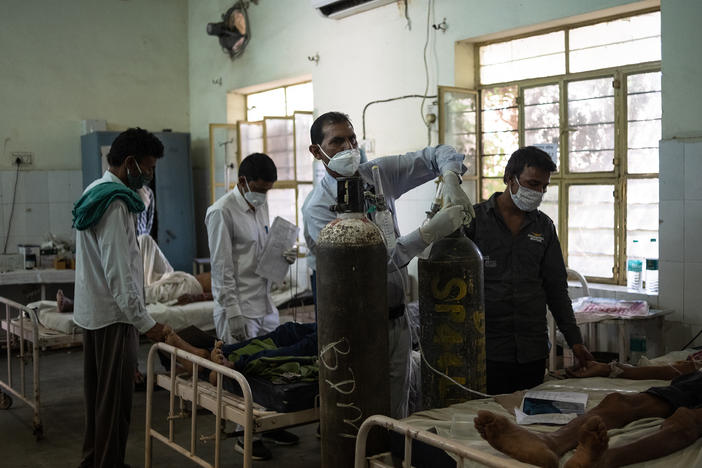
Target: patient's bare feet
{"type": "Point", "coordinates": [176, 341]}
{"type": "Point", "coordinates": [63, 304]}
{"type": "Point", "coordinates": [517, 442]}
{"type": "Point", "coordinates": [218, 357]}
{"type": "Point", "coordinates": [592, 444]}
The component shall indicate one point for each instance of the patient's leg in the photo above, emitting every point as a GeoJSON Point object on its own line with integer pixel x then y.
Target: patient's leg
{"type": "Point", "coordinates": [615, 410]}
{"type": "Point", "coordinates": [63, 303]}
{"type": "Point", "coordinates": [517, 442]}
{"type": "Point", "coordinates": [683, 428]}
{"type": "Point", "coordinates": [592, 444]}
{"type": "Point", "coordinates": [174, 340]}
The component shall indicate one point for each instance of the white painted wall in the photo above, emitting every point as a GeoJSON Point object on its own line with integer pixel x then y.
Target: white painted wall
{"type": "Point", "coordinates": [121, 61]}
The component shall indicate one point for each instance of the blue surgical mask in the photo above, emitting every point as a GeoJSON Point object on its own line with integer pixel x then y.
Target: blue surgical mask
{"type": "Point", "coordinates": [526, 199]}
{"type": "Point", "coordinates": [255, 198]}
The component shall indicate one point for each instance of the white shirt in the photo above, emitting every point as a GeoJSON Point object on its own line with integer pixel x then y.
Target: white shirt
{"type": "Point", "coordinates": [398, 175]}
{"type": "Point", "coordinates": [109, 271]}
{"type": "Point", "coordinates": [236, 234]}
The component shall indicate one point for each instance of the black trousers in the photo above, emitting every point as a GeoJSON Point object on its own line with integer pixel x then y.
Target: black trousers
{"type": "Point", "coordinates": [508, 377]}
{"type": "Point", "coordinates": [109, 363]}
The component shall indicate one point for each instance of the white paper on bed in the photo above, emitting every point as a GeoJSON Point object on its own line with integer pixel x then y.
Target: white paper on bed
{"type": "Point", "coordinates": [544, 407]}
{"type": "Point", "coordinates": [272, 264]}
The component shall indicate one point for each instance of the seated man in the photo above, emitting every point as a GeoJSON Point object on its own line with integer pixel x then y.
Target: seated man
{"type": "Point", "coordinates": [680, 404]}
{"type": "Point", "coordinates": [289, 339]}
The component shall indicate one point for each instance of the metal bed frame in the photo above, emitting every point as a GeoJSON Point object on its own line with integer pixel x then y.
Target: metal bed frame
{"type": "Point", "coordinates": [224, 405]}
{"type": "Point", "coordinates": [462, 452]}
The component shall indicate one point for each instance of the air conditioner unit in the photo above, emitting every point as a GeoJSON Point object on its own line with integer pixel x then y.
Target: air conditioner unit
{"type": "Point", "coordinates": [337, 9]}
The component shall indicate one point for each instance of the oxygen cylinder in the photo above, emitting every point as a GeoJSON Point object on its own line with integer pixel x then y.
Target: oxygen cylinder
{"type": "Point", "coordinates": [452, 320]}
{"type": "Point", "coordinates": [352, 325]}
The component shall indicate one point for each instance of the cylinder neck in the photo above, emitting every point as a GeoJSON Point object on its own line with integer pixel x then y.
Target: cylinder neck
{"type": "Point", "coordinates": [349, 195]}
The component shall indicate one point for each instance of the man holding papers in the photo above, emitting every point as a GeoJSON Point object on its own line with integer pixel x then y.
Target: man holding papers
{"type": "Point", "coordinates": [237, 228]}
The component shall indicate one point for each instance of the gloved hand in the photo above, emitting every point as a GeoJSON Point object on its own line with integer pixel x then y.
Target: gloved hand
{"type": "Point", "coordinates": [237, 327]}
{"type": "Point", "coordinates": [447, 220]}
{"type": "Point", "coordinates": [454, 194]}
{"type": "Point", "coordinates": [290, 255]}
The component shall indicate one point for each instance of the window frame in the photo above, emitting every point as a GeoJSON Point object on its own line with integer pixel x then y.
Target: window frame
{"type": "Point", "coordinates": [285, 98]}
{"type": "Point", "coordinates": [563, 178]}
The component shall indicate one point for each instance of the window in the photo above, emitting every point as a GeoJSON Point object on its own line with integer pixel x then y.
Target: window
{"type": "Point", "coordinates": [593, 91]}
{"type": "Point", "coordinates": [278, 124]}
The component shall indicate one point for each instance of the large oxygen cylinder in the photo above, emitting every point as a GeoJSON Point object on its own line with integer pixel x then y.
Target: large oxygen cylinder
{"type": "Point", "coordinates": [452, 320]}
{"type": "Point", "coordinates": [352, 325]}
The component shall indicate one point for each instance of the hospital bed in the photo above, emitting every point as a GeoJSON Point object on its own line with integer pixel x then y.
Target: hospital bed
{"type": "Point", "coordinates": [37, 326]}
{"type": "Point", "coordinates": [240, 409]}
{"type": "Point", "coordinates": [427, 431]}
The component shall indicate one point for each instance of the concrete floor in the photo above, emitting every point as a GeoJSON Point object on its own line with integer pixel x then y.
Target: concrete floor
{"type": "Point", "coordinates": [62, 417]}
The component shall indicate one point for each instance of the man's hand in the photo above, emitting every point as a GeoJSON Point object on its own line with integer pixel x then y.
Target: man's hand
{"type": "Point", "coordinates": [590, 369]}
{"type": "Point", "coordinates": [237, 327]}
{"type": "Point", "coordinates": [446, 221]}
{"type": "Point", "coordinates": [290, 255]}
{"type": "Point", "coordinates": [159, 332]}
{"type": "Point", "coordinates": [454, 195]}
{"type": "Point", "coordinates": [582, 354]}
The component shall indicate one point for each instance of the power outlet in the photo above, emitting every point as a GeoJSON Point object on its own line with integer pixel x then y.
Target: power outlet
{"type": "Point", "coordinates": [25, 157]}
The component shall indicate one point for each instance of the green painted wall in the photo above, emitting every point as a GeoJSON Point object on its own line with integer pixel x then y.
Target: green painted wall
{"type": "Point", "coordinates": [124, 61]}
{"type": "Point", "coordinates": [682, 68]}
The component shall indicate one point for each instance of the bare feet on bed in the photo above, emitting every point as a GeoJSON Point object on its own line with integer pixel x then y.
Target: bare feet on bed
{"type": "Point", "coordinates": [63, 304]}
{"type": "Point", "coordinates": [592, 444]}
{"type": "Point", "coordinates": [176, 341]}
{"type": "Point", "coordinates": [517, 442]}
{"type": "Point", "coordinates": [218, 357]}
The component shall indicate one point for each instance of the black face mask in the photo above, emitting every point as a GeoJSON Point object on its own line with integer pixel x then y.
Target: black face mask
{"type": "Point", "coordinates": [137, 181]}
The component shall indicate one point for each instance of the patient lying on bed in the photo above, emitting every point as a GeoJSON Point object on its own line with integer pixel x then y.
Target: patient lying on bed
{"type": "Point", "coordinates": [289, 343]}
{"type": "Point", "coordinates": [161, 282]}
{"type": "Point", "coordinates": [680, 404]}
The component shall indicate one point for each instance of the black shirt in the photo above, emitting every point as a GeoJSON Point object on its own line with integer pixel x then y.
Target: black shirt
{"type": "Point", "coordinates": [523, 274]}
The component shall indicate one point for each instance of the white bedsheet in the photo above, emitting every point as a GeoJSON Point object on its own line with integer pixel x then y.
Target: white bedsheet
{"type": "Point", "coordinates": [198, 314]}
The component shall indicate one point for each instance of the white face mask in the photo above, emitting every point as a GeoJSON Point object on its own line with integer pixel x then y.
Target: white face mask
{"type": "Point", "coordinates": [255, 198]}
{"type": "Point", "coordinates": [345, 163]}
{"type": "Point", "coordinates": [526, 199]}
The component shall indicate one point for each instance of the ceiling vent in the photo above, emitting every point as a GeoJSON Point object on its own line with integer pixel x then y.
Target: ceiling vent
{"type": "Point", "coordinates": [337, 9]}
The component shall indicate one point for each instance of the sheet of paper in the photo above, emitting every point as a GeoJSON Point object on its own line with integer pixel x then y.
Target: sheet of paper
{"type": "Point", "coordinates": [542, 407]}
{"type": "Point", "coordinates": [281, 236]}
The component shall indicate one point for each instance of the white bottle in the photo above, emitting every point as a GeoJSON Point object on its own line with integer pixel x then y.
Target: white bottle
{"type": "Point", "coordinates": [652, 268]}
{"type": "Point", "coordinates": [634, 267]}
{"type": "Point", "coordinates": [383, 217]}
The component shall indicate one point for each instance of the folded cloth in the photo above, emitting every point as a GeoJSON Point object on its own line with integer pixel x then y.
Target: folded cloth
{"type": "Point", "coordinates": [90, 207]}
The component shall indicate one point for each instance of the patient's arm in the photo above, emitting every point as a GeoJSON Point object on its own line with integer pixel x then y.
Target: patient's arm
{"type": "Point", "coordinates": [190, 298]}
{"type": "Point", "coordinates": [624, 371]}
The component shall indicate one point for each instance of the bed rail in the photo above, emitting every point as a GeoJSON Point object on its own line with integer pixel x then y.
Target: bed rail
{"type": "Point", "coordinates": [461, 451]}
{"type": "Point", "coordinates": [17, 332]}
{"type": "Point", "coordinates": [199, 397]}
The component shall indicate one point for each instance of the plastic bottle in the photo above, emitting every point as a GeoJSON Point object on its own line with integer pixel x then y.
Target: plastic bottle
{"type": "Point", "coordinates": [634, 267]}
{"type": "Point", "coordinates": [652, 268]}
{"type": "Point", "coordinates": [637, 348]}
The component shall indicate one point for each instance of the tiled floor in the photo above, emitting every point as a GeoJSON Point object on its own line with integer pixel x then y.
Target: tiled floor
{"type": "Point", "coordinates": [62, 415]}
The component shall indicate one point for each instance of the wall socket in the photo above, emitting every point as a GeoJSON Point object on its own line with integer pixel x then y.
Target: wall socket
{"type": "Point", "coordinates": [24, 156]}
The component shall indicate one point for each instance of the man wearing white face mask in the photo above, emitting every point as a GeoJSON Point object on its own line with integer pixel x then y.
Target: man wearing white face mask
{"type": "Point", "coordinates": [524, 272]}
{"type": "Point", "coordinates": [237, 226]}
{"type": "Point", "coordinates": [334, 144]}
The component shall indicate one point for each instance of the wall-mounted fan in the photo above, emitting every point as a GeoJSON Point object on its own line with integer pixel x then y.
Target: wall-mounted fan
{"type": "Point", "coordinates": [233, 31]}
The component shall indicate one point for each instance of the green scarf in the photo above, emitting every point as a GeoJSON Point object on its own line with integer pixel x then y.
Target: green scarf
{"type": "Point", "coordinates": [89, 208]}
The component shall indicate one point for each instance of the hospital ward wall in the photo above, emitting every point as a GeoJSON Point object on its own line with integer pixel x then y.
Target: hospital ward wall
{"type": "Point", "coordinates": [375, 55]}
{"type": "Point", "coordinates": [64, 62]}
